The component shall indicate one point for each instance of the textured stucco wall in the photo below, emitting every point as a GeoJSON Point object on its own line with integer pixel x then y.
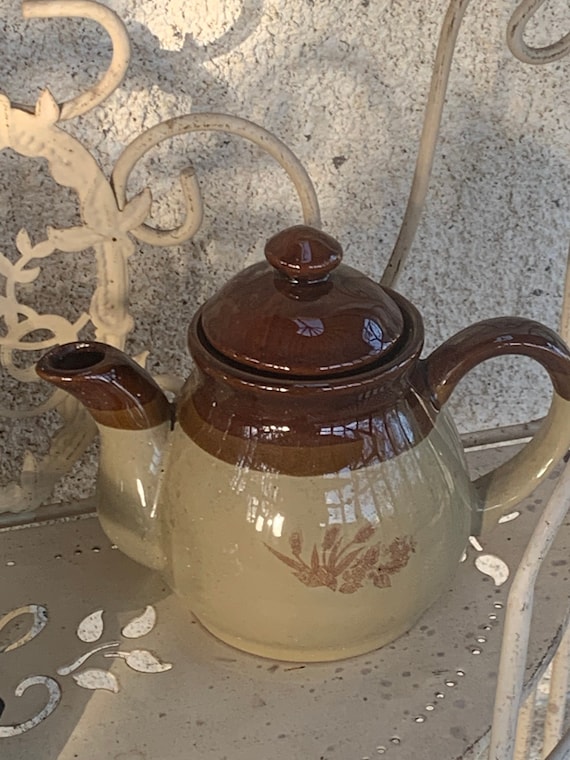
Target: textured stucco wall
{"type": "Point", "coordinates": [344, 85]}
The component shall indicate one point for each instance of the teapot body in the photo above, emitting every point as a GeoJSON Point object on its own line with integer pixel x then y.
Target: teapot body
{"type": "Point", "coordinates": [309, 499]}
{"type": "Point", "coordinates": [319, 551]}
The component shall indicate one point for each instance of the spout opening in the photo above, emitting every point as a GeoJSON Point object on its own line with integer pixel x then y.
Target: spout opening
{"type": "Point", "coordinates": [77, 360]}
{"type": "Point", "coordinates": [71, 359]}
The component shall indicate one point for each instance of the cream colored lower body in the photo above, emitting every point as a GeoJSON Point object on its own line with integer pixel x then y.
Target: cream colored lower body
{"type": "Point", "coordinates": [255, 554]}
{"type": "Point", "coordinates": [237, 541]}
{"type": "Point", "coordinates": [131, 470]}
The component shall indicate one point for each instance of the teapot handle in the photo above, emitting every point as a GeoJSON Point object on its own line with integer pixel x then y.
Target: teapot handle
{"type": "Point", "coordinates": [514, 480]}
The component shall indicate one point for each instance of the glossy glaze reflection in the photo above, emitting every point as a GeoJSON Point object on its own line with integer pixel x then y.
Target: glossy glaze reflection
{"type": "Point", "coordinates": [240, 538]}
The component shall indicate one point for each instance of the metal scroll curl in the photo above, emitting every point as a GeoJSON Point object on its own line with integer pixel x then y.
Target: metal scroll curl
{"type": "Point", "coordinates": [105, 230]}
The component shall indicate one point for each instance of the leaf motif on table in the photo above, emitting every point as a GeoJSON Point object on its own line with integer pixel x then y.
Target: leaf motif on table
{"type": "Point", "coordinates": [509, 517]}
{"type": "Point", "coordinates": [93, 679]}
{"type": "Point", "coordinates": [54, 698]}
{"type": "Point", "coordinates": [65, 670]}
{"type": "Point", "coordinates": [90, 629]}
{"type": "Point", "coordinates": [142, 661]}
{"type": "Point", "coordinates": [140, 625]}
{"type": "Point", "coordinates": [494, 567]}
{"type": "Point", "coordinates": [39, 621]}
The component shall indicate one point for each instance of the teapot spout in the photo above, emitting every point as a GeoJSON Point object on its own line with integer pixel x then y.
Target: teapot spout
{"type": "Point", "coordinates": [134, 419]}
{"type": "Point", "coordinates": [116, 391]}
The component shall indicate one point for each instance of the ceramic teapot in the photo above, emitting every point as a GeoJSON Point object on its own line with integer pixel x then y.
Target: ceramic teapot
{"type": "Point", "coordinates": [308, 495]}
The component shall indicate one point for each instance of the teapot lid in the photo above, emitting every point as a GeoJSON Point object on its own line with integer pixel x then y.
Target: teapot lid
{"type": "Point", "coordinates": [302, 313]}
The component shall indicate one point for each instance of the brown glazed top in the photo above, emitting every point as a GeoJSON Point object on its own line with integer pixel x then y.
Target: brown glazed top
{"type": "Point", "coordinates": [301, 312]}
{"type": "Point", "coordinates": [305, 426]}
{"type": "Point", "coordinates": [302, 366]}
{"type": "Point", "coordinates": [305, 366]}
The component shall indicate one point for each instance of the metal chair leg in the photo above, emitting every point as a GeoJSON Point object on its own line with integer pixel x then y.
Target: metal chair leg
{"type": "Point", "coordinates": [553, 724]}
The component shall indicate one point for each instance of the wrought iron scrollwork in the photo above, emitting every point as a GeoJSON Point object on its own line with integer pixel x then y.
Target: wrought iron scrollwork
{"type": "Point", "coordinates": [108, 225]}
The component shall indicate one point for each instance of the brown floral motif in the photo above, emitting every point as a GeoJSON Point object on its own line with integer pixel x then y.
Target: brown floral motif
{"type": "Point", "coordinates": [346, 565]}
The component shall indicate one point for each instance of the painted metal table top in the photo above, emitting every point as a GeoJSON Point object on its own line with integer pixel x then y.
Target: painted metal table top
{"type": "Point", "coordinates": [127, 673]}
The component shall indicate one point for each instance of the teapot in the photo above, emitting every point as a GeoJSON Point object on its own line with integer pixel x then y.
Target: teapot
{"type": "Point", "coordinates": [307, 495]}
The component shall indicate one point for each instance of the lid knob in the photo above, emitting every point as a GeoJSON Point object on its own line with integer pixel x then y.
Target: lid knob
{"type": "Point", "coordinates": [303, 253]}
